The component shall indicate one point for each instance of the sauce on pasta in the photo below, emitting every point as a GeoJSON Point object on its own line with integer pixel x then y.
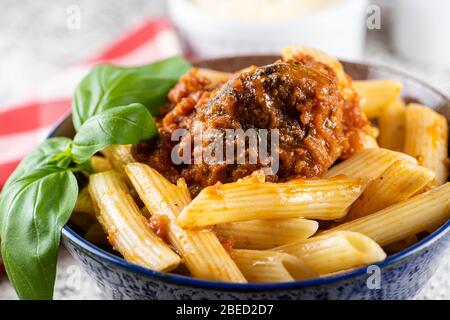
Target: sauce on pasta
{"type": "Point", "coordinates": [318, 119]}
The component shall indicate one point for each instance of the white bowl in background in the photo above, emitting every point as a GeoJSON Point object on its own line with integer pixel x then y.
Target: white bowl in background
{"type": "Point", "coordinates": [338, 29]}
{"type": "Point", "coordinates": [421, 31]}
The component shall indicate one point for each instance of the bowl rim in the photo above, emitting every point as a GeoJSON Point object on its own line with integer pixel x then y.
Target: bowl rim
{"type": "Point", "coordinates": [175, 279]}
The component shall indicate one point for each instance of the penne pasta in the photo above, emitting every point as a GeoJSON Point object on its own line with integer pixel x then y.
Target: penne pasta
{"type": "Point", "coordinates": [392, 124]}
{"type": "Point", "coordinates": [100, 164]}
{"type": "Point", "coordinates": [404, 219]}
{"type": "Point", "coordinates": [369, 142]}
{"type": "Point", "coordinates": [266, 234]}
{"type": "Point", "coordinates": [368, 164]}
{"type": "Point", "coordinates": [127, 229]}
{"type": "Point", "coordinates": [271, 266]}
{"type": "Point", "coordinates": [201, 250]}
{"type": "Point", "coordinates": [335, 251]}
{"type": "Point", "coordinates": [184, 190]}
{"type": "Point", "coordinates": [325, 199]}
{"type": "Point", "coordinates": [426, 139]}
{"type": "Point", "coordinates": [398, 182]}
{"type": "Point", "coordinates": [290, 52]}
{"type": "Point", "coordinates": [84, 202]}
{"type": "Point", "coordinates": [376, 95]}
{"type": "Point", "coordinates": [213, 75]}
{"type": "Point", "coordinates": [293, 52]}
{"type": "Point", "coordinates": [119, 156]}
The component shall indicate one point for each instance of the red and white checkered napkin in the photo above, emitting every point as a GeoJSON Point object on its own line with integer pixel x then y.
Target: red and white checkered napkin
{"type": "Point", "coordinates": [25, 124]}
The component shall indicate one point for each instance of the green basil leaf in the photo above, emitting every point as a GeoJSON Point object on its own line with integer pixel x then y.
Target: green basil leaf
{"type": "Point", "coordinates": [34, 209]}
{"type": "Point", "coordinates": [40, 156]}
{"type": "Point", "coordinates": [108, 86]}
{"type": "Point", "coordinates": [121, 125]}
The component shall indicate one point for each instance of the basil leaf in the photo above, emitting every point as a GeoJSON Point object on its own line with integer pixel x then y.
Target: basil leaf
{"type": "Point", "coordinates": [108, 86]}
{"type": "Point", "coordinates": [121, 125]}
{"type": "Point", "coordinates": [34, 209]}
{"type": "Point", "coordinates": [40, 156]}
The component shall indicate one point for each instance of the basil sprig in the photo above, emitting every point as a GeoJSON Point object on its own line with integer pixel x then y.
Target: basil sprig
{"type": "Point", "coordinates": [34, 210]}
{"type": "Point", "coordinates": [108, 86]}
{"type": "Point", "coordinates": [121, 125]}
{"type": "Point", "coordinates": [111, 106]}
{"type": "Point", "coordinates": [45, 152]}
{"type": "Point", "coordinates": [41, 194]}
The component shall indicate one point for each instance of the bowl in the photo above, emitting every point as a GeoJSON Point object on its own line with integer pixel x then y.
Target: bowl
{"type": "Point", "coordinates": [402, 274]}
{"type": "Point", "coordinates": [338, 29]}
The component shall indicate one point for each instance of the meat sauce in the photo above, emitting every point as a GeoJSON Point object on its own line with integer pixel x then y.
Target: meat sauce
{"type": "Point", "coordinates": [159, 224]}
{"type": "Point", "coordinates": [302, 99]}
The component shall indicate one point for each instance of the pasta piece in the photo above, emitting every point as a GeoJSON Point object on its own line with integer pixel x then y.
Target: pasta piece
{"type": "Point", "coordinates": [325, 199]}
{"type": "Point", "coordinates": [119, 156]}
{"type": "Point", "coordinates": [368, 164]}
{"type": "Point", "coordinates": [398, 182]}
{"type": "Point", "coordinates": [266, 234]}
{"type": "Point", "coordinates": [392, 126]}
{"type": "Point", "coordinates": [84, 202]}
{"type": "Point", "coordinates": [291, 52]}
{"type": "Point", "coordinates": [426, 139]}
{"type": "Point", "coordinates": [100, 164]}
{"type": "Point", "coordinates": [201, 250]}
{"type": "Point", "coordinates": [376, 95]}
{"type": "Point", "coordinates": [184, 190]}
{"type": "Point", "coordinates": [127, 229]}
{"type": "Point", "coordinates": [369, 142]}
{"type": "Point", "coordinates": [403, 219]}
{"type": "Point", "coordinates": [213, 75]}
{"type": "Point", "coordinates": [335, 251]}
{"type": "Point", "coordinates": [270, 266]}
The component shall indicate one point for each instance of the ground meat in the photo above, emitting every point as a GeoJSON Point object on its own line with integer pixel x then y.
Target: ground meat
{"type": "Point", "coordinates": [189, 85]}
{"type": "Point", "coordinates": [355, 123]}
{"type": "Point", "coordinates": [191, 89]}
{"type": "Point", "coordinates": [303, 102]}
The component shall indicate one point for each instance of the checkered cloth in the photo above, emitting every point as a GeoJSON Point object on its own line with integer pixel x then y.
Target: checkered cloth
{"type": "Point", "coordinates": [24, 124]}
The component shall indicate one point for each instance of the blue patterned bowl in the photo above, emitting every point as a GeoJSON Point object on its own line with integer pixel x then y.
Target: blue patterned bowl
{"type": "Point", "coordinates": [400, 276]}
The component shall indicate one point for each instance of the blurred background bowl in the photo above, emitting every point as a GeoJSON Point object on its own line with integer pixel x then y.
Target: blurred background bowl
{"type": "Point", "coordinates": [335, 26]}
{"type": "Point", "coordinates": [429, 24]}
